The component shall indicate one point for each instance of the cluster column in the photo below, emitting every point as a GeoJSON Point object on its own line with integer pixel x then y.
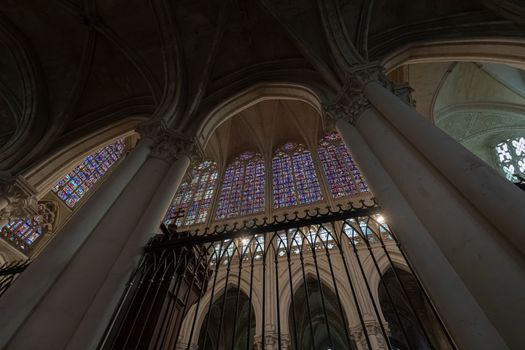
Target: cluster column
{"type": "Point", "coordinates": [110, 231]}
{"type": "Point", "coordinates": [463, 260]}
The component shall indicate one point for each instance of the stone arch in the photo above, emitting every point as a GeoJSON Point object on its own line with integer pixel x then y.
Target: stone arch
{"type": "Point", "coordinates": [505, 51]}
{"type": "Point", "coordinates": [329, 314]}
{"type": "Point", "coordinates": [298, 280]}
{"type": "Point", "coordinates": [197, 317]}
{"type": "Point", "coordinates": [251, 96]}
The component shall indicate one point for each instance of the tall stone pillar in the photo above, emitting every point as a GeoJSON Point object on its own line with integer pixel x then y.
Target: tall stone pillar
{"type": "Point", "coordinates": [77, 307]}
{"type": "Point", "coordinates": [442, 234]}
{"type": "Point", "coordinates": [499, 201]}
{"type": "Point", "coordinates": [19, 301]}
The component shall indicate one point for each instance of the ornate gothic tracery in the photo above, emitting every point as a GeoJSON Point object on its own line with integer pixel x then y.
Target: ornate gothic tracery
{"type": "Point", "coordinates": [511, 157]}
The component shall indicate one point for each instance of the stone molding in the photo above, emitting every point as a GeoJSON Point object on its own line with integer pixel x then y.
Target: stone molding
{"type": "Point", "coordinates": [167, 144]}
{"type": "Point", "coordinates": [18, 199]}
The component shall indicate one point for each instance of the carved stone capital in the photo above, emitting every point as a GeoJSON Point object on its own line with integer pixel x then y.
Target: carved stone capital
{"type": "Point", "coordinates": [349, 109]}
{"type": "Point", "coordinates": [271, 340]}
{"type": "Point", "coordinates": [167, 144]}
{"type": "Point", "coordinates": [18, 199]}
{"type": "Point", "coordinates": [351, 102]}
{"type": "Point", "coordinates": [373, 329]}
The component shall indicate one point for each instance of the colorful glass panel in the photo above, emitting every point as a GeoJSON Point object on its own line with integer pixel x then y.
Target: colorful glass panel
{"type": "Point", "coordinates": [83, 177]}
{"type": "Point", "coordinates": [511, 157]}
{"type": "Point", "coordinates": [22, 233]}
{"type": "Point", "coordinates": [192, 201]}
{"type": "Point", "coordinates": [343, 176]}
{"type": "Point", "coordinates": [294, 178]}
{"type": "Point", "coordinates": [242, 191]}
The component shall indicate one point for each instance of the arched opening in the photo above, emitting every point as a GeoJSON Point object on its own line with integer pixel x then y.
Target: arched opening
{"type": "Point", "coordinates": [229, 324]}
{"type": "Point", "coordinates": [315, 319]}
{"type": "Point", "coordinates": [410, 319]}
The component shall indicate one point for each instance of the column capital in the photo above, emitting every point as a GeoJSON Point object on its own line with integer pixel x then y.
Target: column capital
{"type": "Point", "coordinates": [167, 144]}
{"type": "Point", "coordinates": [17, 198]}
{"type": "Point", "coordinates": [373, 329]}
{"type": "Point", "coordinates": [351, 102]}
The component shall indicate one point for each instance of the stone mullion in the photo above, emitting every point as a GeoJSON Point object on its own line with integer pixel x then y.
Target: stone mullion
{"type": "Point", "coordinates": [210, 218]}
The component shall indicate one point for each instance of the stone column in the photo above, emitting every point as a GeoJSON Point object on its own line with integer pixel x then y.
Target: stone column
{"type": "Point", "coordinates": [19, 301]}
{"type": "Point", "coordinates": [498, 200]}
{"type": "Point", "coordinates": [77, 307]}
{"type": "Point", "coordinates": [466, 320]}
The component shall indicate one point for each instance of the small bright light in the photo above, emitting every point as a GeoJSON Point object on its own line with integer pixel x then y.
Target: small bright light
{"type": "Point", "coordinates": [381, 219]}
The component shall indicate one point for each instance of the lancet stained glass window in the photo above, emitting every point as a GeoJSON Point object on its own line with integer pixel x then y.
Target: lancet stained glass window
{"type": "Point", "coordinates": [242, 191]}
{"type": "Point", "coordinates": [294, 178]}
{"type": "Point", "coordinates": [193, 199]}
{"type": "Point", "coordinates": [511, 157]}
{"type": "Point", "coordinates": [82, 178]}
{"type": "Point", "coordinates": [344, 178]}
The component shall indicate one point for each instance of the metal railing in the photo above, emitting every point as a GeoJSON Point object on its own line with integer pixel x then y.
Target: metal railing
{"type": "Point", "coordinates": [322, 279]}
{"type": "Point", "coordinates": [9, 272]}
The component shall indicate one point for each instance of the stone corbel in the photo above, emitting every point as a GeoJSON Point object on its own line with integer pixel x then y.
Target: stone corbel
{"type": "Point", "coordinates": [17, 199]}
{"type": "Point", "coordinates": [167, 144]}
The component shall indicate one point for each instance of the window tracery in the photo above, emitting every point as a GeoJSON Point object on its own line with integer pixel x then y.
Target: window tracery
{"type": "Point", "coordinates": [344, 178]}
{"type": "Point", "coordinates": [242, 191]}
{"type": "Point", "coordinates": [83, 177]}
{"type": "Point", "coordinates": [511, 157]}
{"type": "Point", "coordinates": [294, 178]}
{"type": "Point", "coordinates": [193, 199]}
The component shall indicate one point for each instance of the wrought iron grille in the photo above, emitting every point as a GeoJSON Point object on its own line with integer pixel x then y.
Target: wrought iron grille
{"type": "Point", "coordinates": [323, 279]}
{"type": "Point", "coordinates": [9, 272]}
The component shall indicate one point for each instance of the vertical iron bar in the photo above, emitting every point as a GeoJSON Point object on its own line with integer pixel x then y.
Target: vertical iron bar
{"type": "Point", "coordinates": [323, 304]}
{"type": "Point", "coordinates": [288, 258]}
{"type": "Point", "coordinates": [307, 294]}
{"type": "Point", "coordinates": [276, 260]}
{"type": "Point", "coordinates": [341, 310]}
{"type": "Point", "coordinates": [352, 288]}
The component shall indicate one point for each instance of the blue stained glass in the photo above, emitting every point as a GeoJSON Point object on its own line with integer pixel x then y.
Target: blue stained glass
{"type": "Point", "coordinates": [72, 187]}
{"type": "Point", "coordinates": [242, 191]}
{"type": "Point", "coordinates": [193, 197]}
{"type": "Point", "coordinates": [344, 178]}
{"type": "Point", "coordinates": [294, 178]}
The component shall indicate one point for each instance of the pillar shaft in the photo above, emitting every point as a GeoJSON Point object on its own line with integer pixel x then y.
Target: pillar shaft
{"type": "Point", "coordinates": [499, 201]}
{"type": "Point", "coordinates": [467, 322]}
{"type": "Point", "coordinates": [18, 302]}
{"type": "Point", "coordinates": [79, 302]}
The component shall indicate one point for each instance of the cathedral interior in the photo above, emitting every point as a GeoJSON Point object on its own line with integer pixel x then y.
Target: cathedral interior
{"type": "Point", "coordinates": [262, 174]}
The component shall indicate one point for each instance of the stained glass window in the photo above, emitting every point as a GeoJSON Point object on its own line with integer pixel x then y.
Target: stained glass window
{"type": "Point", "coordinates": [294, 179]}
{"type": "Point", "coordinates": [511, 157]}
{"type": "Point", "coordinates": [193, 199]}
{"type": "Point", "coordinates": [82, 178]}
{"type": "Point", "coordinates": [242, 191]}
{"type": "Point", "coordinates": [344, 178]}
{"type": "Point", "coordinates": [22, 233]}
